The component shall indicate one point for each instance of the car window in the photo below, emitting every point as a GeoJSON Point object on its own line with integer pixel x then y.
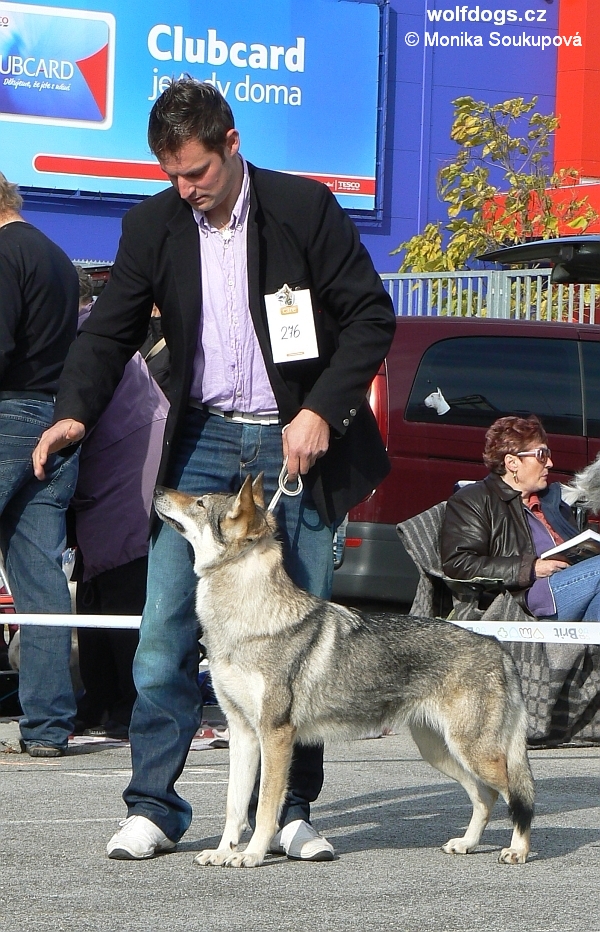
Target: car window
{"type": "Point", "coordinates": [591, 379]}
{"type": "Point", "coordinates": [483, 378]}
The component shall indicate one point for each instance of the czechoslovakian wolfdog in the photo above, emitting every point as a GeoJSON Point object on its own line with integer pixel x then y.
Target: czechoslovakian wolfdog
{"type": "Point", "coordinates": [288, 667]}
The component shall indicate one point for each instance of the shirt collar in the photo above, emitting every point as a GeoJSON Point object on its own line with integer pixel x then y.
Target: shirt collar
{"type": "Point", "coordinates": [240, 208]}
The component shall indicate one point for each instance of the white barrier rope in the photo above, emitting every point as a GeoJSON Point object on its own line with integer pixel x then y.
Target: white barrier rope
{"type": "Point", "coordinates": [537, 632]}
{"type": "Point", "coordinates": [73, 621]}
{"type": "Point", "coordinates": [540, 632]}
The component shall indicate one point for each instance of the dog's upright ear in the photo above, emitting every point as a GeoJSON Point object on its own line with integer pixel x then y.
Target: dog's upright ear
{"type": "Point", "coordinates": [244, 503]}
{"type": "Point", "coordinates": [258, 490]}
{"type": "Point", "coordinates": [243, 520]}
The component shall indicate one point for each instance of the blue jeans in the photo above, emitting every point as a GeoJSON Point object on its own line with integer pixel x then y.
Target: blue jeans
{"type": "Point", "coordinates": [212, 456]}
{"type": "Point", "coordinates": [32, 538]}
{"type": "Point", "coordinates": [576, 591]}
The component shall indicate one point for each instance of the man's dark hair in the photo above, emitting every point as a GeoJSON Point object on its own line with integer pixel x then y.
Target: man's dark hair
{"type": "Point", "coordinates": [189, 109]}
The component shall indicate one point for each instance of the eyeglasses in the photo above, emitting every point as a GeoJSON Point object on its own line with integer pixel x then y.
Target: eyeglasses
{"type": "Point", "coordinates": [542, 454]}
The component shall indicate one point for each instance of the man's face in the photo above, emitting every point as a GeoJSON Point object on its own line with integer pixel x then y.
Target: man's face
{"type": "Point", "coordinates": [201, 177]}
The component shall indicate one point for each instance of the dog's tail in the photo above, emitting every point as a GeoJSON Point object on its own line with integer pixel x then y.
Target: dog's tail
{"type": "Point", "coordinates": [521, 795]}
{"type": "Point", "coordinates": [521, 790]}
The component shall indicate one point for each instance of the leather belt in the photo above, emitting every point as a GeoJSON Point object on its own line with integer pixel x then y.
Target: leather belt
{"type": "Point", "coordinates": [27, 395]}
{"type": "Point", "coordinates": [236, 417]}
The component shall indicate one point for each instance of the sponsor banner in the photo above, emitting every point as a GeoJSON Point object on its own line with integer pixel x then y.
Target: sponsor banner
{"type": "Point", "coordinates": [56, 66]}
{"type": "Point", "coordinates": [344, 184]}
{"type": "Point", "coordinates": [301, 77]}
{"type": "Point", "coordinates": [542, 632]}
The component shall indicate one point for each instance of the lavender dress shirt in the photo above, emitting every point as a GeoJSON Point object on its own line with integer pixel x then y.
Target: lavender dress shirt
{"type": "Point", "coordinates": [229, 371]}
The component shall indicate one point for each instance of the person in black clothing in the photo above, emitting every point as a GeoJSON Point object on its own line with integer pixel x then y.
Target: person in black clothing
{"type": "Point", "coordinates": [38, 321]}
{"type": "Point", "coordinates": [155, 351]}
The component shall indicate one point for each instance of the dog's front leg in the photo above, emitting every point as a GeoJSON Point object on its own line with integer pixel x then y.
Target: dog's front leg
{"type": "Point", "coordinates": [244, 753]}
{"type": "Point", "coordinates": [276, 756]}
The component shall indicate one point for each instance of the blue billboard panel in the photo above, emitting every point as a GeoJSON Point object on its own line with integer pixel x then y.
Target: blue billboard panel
{"type": "Point", "coordinates": [300, 75]}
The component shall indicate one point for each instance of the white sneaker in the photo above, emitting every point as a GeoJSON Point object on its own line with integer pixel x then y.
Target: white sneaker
{"type": "Point", "coordinates": [301, 842]}
{"type": "Point", "coordinates": [138, 838]}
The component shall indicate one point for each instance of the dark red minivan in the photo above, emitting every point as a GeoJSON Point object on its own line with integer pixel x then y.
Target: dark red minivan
{"type": "Point", "coordinates": [483, 369]}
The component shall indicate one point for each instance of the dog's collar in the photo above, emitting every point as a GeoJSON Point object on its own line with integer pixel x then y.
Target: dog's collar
{"type": "Point", "coordinates": [213, 567]}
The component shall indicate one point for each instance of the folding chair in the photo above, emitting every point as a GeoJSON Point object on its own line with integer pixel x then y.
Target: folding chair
{"type": "Point", "coordinates": [560, 683]}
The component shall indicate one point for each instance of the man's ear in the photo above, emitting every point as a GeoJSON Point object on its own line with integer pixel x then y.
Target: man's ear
{"type": "Point", "coordinates": [258, 491]}
{"type": "Point", "coordinates": [232, 141]}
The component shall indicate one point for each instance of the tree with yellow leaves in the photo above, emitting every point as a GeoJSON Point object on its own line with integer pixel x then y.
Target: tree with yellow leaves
{"type": "Point", "coordinates": [484, 216]}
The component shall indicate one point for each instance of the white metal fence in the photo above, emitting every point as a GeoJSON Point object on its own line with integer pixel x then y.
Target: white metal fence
{"type": "Point", "coordinates": [516, 295]}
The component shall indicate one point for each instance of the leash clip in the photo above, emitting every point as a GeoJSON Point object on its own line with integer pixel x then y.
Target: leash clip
{"type": "Point", "coordinates": [281, 487]}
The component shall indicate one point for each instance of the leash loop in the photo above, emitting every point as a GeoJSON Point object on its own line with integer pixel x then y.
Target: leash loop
{"type": "Point", "coordinates": [282, 487]}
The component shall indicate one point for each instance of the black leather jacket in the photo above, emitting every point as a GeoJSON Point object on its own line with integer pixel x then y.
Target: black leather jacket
{"type": "Point", "coordinates": [486, 533]}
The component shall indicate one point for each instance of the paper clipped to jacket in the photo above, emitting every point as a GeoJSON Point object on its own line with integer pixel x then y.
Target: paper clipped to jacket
{"type": "Point", "coordinates": [584, 545]}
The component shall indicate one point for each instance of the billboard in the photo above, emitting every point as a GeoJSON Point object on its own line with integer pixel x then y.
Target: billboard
{"type": "Point", "coordinates": [77, 82]}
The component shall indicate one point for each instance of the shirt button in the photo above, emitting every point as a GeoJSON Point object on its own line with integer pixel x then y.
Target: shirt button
{"type": "Point", "coordinates": [346, 422]}
{"type": "Point", "coordinates": [352, 412]}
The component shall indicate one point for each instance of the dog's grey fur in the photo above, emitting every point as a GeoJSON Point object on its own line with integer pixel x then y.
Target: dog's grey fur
{"type": "Point", "coordinates": [288, 667]}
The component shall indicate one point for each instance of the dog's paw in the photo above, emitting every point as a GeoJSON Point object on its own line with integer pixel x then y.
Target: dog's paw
{"type": "Point", "coordinates": [212, 857]}
{"type": "Point", "coordinates": [243, 859]}
{"type": "Point", "coordinates": [457, 846]}
{"type": "Point", "coordinates": [512, 856]}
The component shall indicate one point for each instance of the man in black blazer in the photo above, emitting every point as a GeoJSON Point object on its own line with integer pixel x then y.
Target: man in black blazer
{"type": "Point", "coordinates": [220, 252]}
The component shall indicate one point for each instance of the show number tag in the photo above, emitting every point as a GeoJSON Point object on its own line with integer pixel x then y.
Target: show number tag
{"type": "Point", "coordinates": [291, 325]}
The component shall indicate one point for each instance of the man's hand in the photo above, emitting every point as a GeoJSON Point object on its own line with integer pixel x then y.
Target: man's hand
{"type": "Point", "coordinates": [305, 440]}
{"type": "Point", "coordinates": [62, 434]}
{"type": "Point", "coordinates": [545, 568]}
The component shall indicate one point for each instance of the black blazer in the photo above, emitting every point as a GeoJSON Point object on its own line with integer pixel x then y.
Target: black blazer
{"type": "Point", "coordinates": [297, 235]}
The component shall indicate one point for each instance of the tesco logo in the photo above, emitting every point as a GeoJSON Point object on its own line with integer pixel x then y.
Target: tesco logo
{"type": "Point", "coordinates": [349, 185]}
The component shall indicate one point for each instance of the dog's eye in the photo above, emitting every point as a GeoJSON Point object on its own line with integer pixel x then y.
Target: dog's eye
{"type": "Point", "coordinates": [200, 503]}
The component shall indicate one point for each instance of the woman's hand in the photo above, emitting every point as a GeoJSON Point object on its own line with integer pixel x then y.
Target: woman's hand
{"type": "Point", "coordinates": [543, 568]}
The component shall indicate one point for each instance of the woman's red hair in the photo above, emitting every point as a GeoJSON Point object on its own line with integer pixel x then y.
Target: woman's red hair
{"type": "Point", "coordinates": [511, 435]}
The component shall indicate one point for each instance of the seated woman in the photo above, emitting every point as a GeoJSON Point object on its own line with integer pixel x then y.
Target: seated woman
{"type": "Point", "coordinates": [498, 527]}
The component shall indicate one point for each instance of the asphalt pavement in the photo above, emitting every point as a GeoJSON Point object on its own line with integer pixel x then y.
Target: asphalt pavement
{"type": "Point", "coordinates": [386, 812]}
